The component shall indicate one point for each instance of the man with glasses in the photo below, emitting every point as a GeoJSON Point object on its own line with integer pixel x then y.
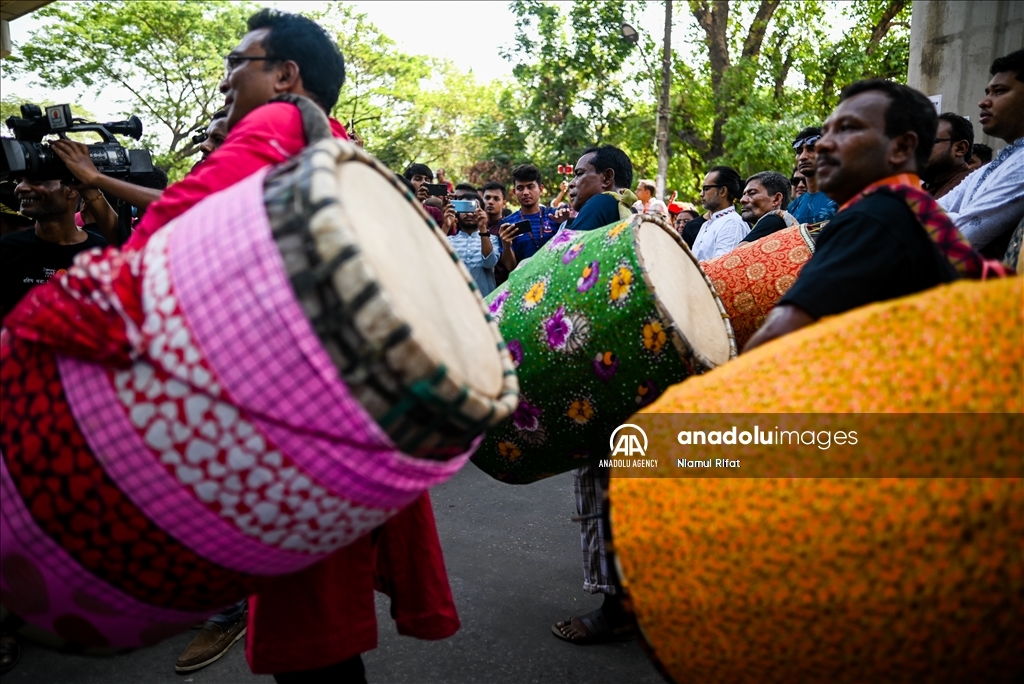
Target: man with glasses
{"type": "Point", "coordinates": [798, 183]}
{"type": "Point", "coordinates": [952, 149]}
{"type": "Point", "coordinates": [812, 206]}
{"type": "Point", "coordinates": [312, 625]}
{"type": "Point", "coordinates": [724, 229]}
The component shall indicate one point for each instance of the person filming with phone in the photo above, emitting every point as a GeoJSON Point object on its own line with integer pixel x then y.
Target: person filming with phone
{"type": "Point", "coordinates": [474, 244]}
{"type": "Point", "coordinates": [525, 240]}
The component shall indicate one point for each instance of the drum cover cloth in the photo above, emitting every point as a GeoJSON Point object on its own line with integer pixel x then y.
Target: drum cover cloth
{"type": "Point", "coordinates": [842, 580]}
{"type": "Point", "coordinates": [590, 347]}
{"type": "Point", "coordinates": [752, 278]}
{"type": "Point", "coordinates": [138, 500]}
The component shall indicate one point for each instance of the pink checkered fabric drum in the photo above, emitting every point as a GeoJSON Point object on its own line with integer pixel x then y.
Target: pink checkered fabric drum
{"type": "Point", "coordinates": [241, 445]}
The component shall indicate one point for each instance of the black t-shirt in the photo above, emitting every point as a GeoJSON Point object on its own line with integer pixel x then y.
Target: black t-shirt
{"type": "Point", "coordinates": [691, 229]}
{"type": "Point", "coordinates": [768, 224]}
{"type": "Point", "coordinates": [873, 251]}
{"type": "Point", "coordinates": [26, 260]}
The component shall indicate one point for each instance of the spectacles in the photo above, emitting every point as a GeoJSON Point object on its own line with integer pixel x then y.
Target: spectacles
{"type": "Point", "coordinates": [808, 142]}
{"type": "Point", "coordinates": [705, 188]}
{"type": "Point", "coordinates": [232, 62]}
{"type": "Point", "coordinates": [797, 181]}
{"type": "Point", "coordinates": [938, 140]}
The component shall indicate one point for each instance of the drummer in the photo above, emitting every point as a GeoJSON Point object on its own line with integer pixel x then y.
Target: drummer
{"type": "Point", "coordinates": [874, 249]}
{"type": "Point", "coordinates": [599, 191]}
{"type": "Point", "coordinates": [314, 624]}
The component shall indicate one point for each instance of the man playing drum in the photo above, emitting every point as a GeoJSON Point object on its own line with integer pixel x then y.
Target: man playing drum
{"type": "Point", "coordinates": [889, 238]}
{"type": "Point", "coordinates": [312, 624]}
{"type": "Point", "coordinates": [599, 191]}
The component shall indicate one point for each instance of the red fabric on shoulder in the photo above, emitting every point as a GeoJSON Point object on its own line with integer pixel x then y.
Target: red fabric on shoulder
{"type": "Point", "coordinates": [266, 136]}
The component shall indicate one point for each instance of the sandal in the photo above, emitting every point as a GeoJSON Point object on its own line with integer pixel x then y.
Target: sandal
{"type": "Point", "coordinates": [598, 630]}
{"type": "Point", "coordinates": [10, 653]}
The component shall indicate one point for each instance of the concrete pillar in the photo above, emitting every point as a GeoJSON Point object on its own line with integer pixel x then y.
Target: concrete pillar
{"type": "Point", "coordinates": [952, 46]}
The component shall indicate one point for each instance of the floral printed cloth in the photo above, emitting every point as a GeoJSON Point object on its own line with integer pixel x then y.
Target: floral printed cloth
{"type": "Point", "coordinates": [590, 349]}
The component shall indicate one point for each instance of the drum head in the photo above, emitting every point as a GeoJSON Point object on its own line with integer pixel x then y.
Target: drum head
{"type": "Point", "coordinates": [415, 274]}
{"type": "Point", "coordinates": [684, 292]}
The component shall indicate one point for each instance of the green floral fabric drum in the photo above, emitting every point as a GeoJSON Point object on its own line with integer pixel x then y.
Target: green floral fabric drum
{"type": "Point", "coordinates": [598, 323]}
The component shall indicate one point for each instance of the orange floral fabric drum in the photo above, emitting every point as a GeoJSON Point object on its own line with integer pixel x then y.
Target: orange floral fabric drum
{"type": "Point", "coordinates": [844, 579]}
{"type": "Point", "coordinates": [753, 277]}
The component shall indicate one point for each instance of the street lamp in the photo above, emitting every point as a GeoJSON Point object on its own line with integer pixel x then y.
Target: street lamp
{"type": "Point", "coordinates": [631, 35]}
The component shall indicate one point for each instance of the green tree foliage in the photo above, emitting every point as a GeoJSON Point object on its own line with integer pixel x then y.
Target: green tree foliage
{"type": "Point", "coordinates": [167, 57]}
{"type": "Point", "coordinates": [759, 71]}
{"type": "Point", "coordinates": [752, 73]}
{"type": "Point", "coordinates": [569, 68]}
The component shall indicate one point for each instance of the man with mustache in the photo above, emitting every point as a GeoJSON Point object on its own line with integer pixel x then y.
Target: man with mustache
{"type": "Point", "coordinates": [989, 203]}
{"type": "Point", "coordinates": [811, 206]}
{"type": "Point", "coordinates": [888, 239]}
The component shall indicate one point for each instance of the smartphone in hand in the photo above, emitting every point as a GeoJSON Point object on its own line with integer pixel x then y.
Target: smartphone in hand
{"type": "Point", "coordinates": [522, 227]}
{"type": "Point", "coordinates": [437, 189]}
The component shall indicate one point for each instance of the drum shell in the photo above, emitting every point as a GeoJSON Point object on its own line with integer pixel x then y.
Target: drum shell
{"type": "Point", "coordinates": [752, 278]}
{"type": "Point", "coordinates": [227, 453]}
{"type": "Point", "coordinates": [844, 580]}
{"type": "Point", "coordinates": [589, 348]}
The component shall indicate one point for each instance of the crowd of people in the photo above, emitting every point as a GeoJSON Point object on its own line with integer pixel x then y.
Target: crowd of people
{"type": "Point", "coordinates": [905, 200]}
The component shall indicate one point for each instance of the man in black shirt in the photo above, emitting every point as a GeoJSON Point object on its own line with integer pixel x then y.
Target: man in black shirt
{"type": "Point", "coordinates": [764, 201]}
{"type": "Point", "coordinates": [31, 257]}
{"type": "Point", "coordinates": [875, 248]}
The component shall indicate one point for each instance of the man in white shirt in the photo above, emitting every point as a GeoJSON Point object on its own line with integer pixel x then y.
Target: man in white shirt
{"type": "Point", "coordinates": [725, 228]}
{"type": "Point", "coordinates": [646, 202]}
{"type": "Point", "coordinates": [989, 203]}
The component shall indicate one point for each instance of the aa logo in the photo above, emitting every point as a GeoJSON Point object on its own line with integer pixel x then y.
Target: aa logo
{"type": "Point", "coordinates": [628, 440]}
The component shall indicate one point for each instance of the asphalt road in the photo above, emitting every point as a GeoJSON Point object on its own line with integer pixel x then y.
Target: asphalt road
{"type": "Point", "coordinates": [513, 559]}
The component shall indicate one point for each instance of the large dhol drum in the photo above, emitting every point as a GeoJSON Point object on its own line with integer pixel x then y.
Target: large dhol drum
{"type": "Point", "coordinates": [887, 579]}
{"type": "Point", "coordinates": [598, 323]}
{"type": "Point", "coordinates": [312, 359]}
{"type": "Point", "coordinates": [752, 278]}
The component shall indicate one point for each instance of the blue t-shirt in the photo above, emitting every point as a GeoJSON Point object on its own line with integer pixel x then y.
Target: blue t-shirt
{"type": "Point", "coordinates": [542, 229]}
{"type": "Point", "coordinates": [812, 207]}
{"type": "Point", "coordinates": [600, 210]}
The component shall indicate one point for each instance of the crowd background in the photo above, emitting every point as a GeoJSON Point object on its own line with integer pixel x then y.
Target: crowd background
{"type": "Point", "coordinates": [752, 74]}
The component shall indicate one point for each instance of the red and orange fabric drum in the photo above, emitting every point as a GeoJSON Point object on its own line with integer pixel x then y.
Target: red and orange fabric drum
{"type": "Point", "coordinates": [752, 278]}
{"type": "Point", "coordinates": [845, 579]}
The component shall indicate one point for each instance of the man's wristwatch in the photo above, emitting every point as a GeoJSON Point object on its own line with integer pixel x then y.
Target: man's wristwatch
{"type": "Point", "coordinates": [483, 234]}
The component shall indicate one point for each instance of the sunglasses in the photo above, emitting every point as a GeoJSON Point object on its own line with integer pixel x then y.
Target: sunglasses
{"type": "Point", "coordinates": [808, 142]}
{"type": "Point", "coordinates": [797, 181]}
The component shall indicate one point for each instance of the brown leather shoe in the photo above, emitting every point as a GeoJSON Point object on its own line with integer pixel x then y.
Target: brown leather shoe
{"type": "Point", "coordinates": [212, 642]}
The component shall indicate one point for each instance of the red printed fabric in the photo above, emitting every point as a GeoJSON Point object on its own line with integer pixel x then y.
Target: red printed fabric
{"type": "Point", "coordinates": [968, 262]}
{"type": "Point", "coordinates": [752, 278]}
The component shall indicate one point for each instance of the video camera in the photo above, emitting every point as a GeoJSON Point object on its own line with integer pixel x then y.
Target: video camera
{"type": "Point", "coordinates": [27, 155]}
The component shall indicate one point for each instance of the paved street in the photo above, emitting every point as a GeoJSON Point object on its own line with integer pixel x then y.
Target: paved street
{"type": "Point", "coordinates": [514, 563]}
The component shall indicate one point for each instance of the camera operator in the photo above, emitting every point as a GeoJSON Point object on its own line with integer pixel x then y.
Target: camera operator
{"type": "Point", "coordinates": [31, 257]}
{"type": "Point", "coordinates": [75, 156]}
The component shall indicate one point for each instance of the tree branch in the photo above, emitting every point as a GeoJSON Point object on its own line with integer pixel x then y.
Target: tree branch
{"type": "Point", "coordinates": [883, 25]}
{"type": "Point", "coordinates": [755, 36]}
